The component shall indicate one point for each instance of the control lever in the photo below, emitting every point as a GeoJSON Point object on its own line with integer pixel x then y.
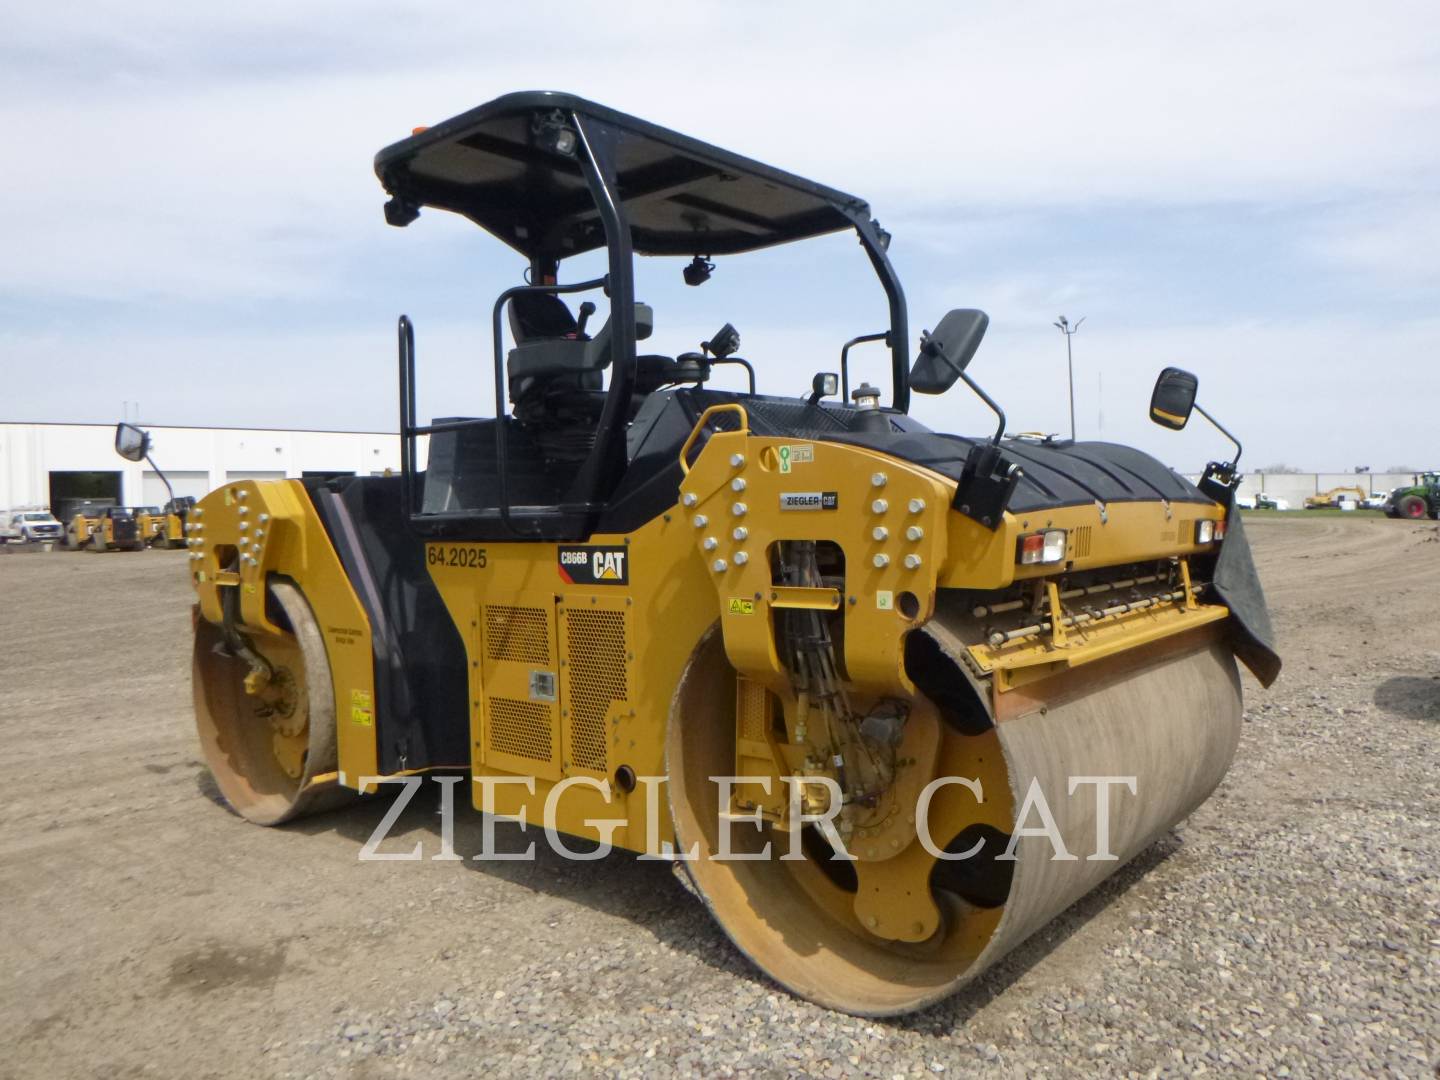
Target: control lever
{"type": "Point", "coordinates": [586, 310]}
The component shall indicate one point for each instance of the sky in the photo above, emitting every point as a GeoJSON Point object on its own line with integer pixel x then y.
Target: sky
{"type": "Point", "coordinates": [193, 229]}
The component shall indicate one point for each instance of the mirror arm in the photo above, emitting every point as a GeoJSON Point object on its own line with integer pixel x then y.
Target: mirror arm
{"type": "Point", "coordinates": [151, 462]}
{"type": "Point", "coordinates": [1238, 448]}
{"type": "Point", "coordinates": [995, 408]}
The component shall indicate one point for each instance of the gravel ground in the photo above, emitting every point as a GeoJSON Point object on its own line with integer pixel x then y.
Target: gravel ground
{"type": "Point", "coordinates": [1290, 928]}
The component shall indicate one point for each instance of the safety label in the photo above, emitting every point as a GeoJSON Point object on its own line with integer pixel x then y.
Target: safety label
{"type": "Point", "coordinates": [796, 454]}
{"type": "Point", "coordinates": [360, 710]}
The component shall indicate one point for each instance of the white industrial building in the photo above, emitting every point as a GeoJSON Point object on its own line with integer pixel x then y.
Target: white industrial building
{"type": "Point", "coordinates": [42, 465]}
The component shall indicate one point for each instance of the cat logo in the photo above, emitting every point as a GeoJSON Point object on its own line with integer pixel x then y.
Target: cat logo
{"type": "Point", "coordinates": [594, 565]}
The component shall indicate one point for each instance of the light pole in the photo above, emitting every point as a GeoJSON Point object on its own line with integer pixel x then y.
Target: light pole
{"type": "Point", "coordinates": [1068, 330]}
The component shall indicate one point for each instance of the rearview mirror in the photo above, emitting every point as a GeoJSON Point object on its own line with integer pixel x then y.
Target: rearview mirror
{"type": "Point", "coordinates": [945, 352]}
{"type": "Point", "coordinates": [1174, 398]}
{"type": "Point", "coordinates": [131, 443]}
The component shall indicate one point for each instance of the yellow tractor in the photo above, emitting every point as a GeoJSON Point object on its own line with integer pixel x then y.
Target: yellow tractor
{"type": "Point", "coordinates": [891, 698]}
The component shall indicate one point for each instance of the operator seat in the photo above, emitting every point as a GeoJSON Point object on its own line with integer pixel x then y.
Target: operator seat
{"type": "Point", "coordinates": [556, 374]}
{"type": "Point", "coordinates": [550, 356]}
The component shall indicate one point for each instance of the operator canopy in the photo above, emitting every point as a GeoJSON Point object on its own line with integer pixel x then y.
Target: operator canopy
{"type": "Point", "coordinates": [516, 167]}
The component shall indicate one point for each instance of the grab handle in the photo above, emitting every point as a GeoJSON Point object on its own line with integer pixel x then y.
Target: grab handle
{"type": "Point", "coordinates": [729, 406]}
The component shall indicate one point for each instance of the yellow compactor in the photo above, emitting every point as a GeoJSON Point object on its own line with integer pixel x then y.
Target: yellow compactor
{"type": "Point", "coordinates": [164, 527]}
{"type": "Point", "coordinates": [921, 666]}
{"type": "Point", "coordinates": [106, 528]}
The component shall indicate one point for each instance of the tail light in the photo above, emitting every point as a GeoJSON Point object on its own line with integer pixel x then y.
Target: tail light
{"type": "Point", "coordinates": [1041, 547]}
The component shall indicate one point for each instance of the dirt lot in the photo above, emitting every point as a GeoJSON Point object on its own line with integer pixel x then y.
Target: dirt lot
{"type": "Point", "coordinates": [1291, 927]}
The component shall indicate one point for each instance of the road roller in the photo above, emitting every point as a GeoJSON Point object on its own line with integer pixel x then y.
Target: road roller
{"type": "Point", "coordinates": [890, 698]}
{"type": "Point", "coordinates": [110, 528]}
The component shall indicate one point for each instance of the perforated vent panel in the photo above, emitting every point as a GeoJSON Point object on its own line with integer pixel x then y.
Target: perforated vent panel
{"type": "Point", "coordinates": [751, 699]}
{"type": "Point", "coordinates": [521, 728]}
{"type": "Point", "coordinates": [517, 633]}
{"type": "Point", "coordinates": [595, 645]}
{"type": "Point", "coordinates": [1186, 530]}
{"type": "Point", "coordinates": [1082, 542]}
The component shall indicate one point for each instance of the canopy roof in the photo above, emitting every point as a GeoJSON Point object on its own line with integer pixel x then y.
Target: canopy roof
{"type": "Point", "coordinates": [495, 164]}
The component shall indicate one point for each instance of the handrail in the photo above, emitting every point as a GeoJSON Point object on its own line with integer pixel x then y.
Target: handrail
{"type": "Point", "coordinates": [405, 331]}
{"type": "Point", "coordinates": [749, 367]}
{"type": "Point", "coordinates": [409, 429]}
{"type": "Point", "coordinates": [883, 335]}
{"type": "Point", "coordinates": [448, 425]}
{"type": "Point", "coordinates": [728, 406]}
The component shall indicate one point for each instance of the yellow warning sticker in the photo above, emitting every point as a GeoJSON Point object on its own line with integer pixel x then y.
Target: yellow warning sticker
{"type": "Point", "coordinates": [360, 711]}
{"type": "Point", "coordinates": [740, 606]}
{"type": "Point", "coordinates": [885, 600]}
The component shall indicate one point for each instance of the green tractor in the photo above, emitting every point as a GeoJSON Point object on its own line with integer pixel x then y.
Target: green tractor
{"type": "Point", "coordinates": [1420, 499]}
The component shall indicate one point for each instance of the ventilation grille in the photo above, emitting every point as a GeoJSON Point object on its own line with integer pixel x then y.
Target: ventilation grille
{"type": "Point", "coordinates": [1082, 542]}
{"type": "Point", "coordinates": [1186, 531]}
{"type": "Point", "coordinates": [595, 650]}
{"type": "Point", "coordinates": [752, 710]}
{"type": "Point", "coordinates": [518, 634]}
{"type": "Point", "coordinates": [521, 728]}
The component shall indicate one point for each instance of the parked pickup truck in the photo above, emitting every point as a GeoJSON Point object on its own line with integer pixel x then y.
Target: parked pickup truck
{"type": "Point", "coordinates": [30, 526]}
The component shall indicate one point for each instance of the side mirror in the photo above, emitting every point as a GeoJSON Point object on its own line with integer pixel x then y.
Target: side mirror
{"type": "Point", "coordinates": [948, 350]}
{"type": "Point", "coordinates": [824, 384]}
{"type": "Point", "coordinates": [1174, 398]}
{"type": "Point", "coordinates": [131, 443]}
{"type": "Point", "coordinates": [644, 321]}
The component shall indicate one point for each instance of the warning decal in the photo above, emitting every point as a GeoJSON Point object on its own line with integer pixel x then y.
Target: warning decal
{"type": "Point", "coordinates": [360, 708]}
{"type": "Point", "coordinates": [796, 454]}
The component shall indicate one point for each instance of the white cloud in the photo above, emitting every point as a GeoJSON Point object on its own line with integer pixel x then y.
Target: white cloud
{"type": "Point", "coordinates": [1393, 244]}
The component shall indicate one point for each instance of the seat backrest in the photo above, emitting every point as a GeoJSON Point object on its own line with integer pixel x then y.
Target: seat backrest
{"type": "Point", "coordinates": [539, 315]}
{"type": "Point", "coordinates": [542, 358]}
